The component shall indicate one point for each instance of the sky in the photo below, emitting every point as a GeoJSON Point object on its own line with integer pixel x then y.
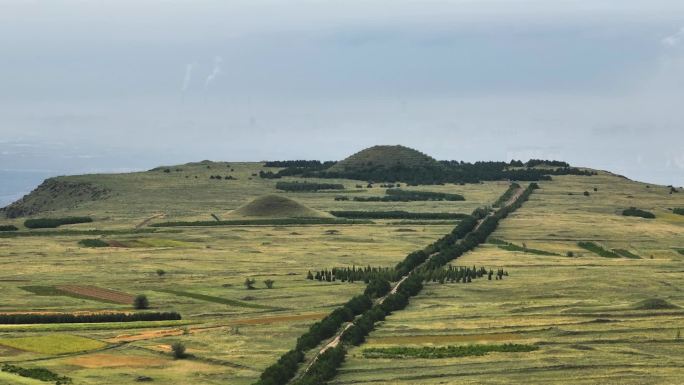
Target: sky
{"type": "Point", "coordinates": [119, 85]}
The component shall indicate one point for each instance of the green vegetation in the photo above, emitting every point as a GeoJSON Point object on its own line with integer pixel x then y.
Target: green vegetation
{"type": "Point", "coordinates": [581, 310]}
{"type": "Point", "coordinates": [678, 210]}
{"type": "Point", "coordinates": [505, 197]}
{"type": "Point", "coordinates": [178, 350]}
{"type": "Point", "coordinates": [41, 374]}
{"type": "Point", "coordinates": [433, 257]}
{"type": "Point", "coordinates": [598, 250]}
{"type": "Point", "coordinates": [432, 352]}
{"type": "Point", "coordinates": [308, 186]}
{"type": "Point", "coordinates": [654, 304]}
{"type": "Point", "coordinates": [141, 302]}
{"type": "Point", "coordinates": [37, 318]}
{"type": "Point", "coordinates": [266, 222]}
{"type": "Point", "coordinates": [395, 215]}
{"type": "Point", "coordinates": [513, 247]}
{"type": "Point", "coordinates": [56, 233]}
{"type": "Point", "coordinates": [93, 243]}
{"type": "Point", "coordinates": [50, 223]}
{"type": "Point", "coordinates": [398, 195]}
{"type": "Point", "coordinates": [53, 343]}
{"type": "Point", "coordinates": [8, 228]}
{"type": "Point", "coordinates": [276, 206]}
{"type": "Point", "coordinates": [635, 212]}
{"type": "Point", "coordinates": [626, 253]}
{"type": "Point", "coordinates": [209, 298]}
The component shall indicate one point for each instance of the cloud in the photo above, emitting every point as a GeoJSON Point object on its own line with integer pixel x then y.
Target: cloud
{"type": "Point", "coordinates": [675, 39]}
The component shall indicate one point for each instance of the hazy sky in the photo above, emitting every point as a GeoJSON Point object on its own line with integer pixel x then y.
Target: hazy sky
{"type": "Point", "coordinates": [118, 85]}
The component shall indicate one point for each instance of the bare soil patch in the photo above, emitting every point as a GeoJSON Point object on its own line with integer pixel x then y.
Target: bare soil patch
{"type": "Point", "coordinates": [98, 293]}
{"type": "Point", "coordinates": [94, 361]}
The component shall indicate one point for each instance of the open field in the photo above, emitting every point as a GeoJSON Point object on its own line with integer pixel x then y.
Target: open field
{"type": "Point", "coordinates": [585, 313]}
{"type": "Point", "coordinates": [582, 312]}
{"type": "Point", "coordinates": [232, 333]}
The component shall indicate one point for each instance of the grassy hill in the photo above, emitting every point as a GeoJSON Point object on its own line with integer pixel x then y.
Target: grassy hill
{"type": "Point", "coordinates": [276, 206]}
{"type": "Point", "coordinates": [593, 319]}
{"type": "Point", "coordinates": [384, 157]}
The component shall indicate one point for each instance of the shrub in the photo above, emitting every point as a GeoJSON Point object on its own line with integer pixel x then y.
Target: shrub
{"type": "Point", "coordinates": [178, 350]}
{"type": "Point", "coordinates": [48, 223]}
{"type": "Point", "coordinates": [161, 272]}
{"type": "Point", "coordinates": [679, 210]}
{"type": "Point", "coordinates": [93, 243]}
{"type": "Point", "coordinates": [141, 302]}
{"type": "Point", "coordinates": [249, 283]}
{"type": "Point", "coordinates": [635, 212]}
{"type": "Point", "coordinates": [269, 283]}
{"type": "Point", "coordinates": [8, 228]}
{"type": "Point", "coordinates": [36, 373]}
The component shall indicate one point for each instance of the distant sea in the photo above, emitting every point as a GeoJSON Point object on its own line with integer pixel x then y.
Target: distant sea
{"type": "Point", "coordinates": [16, 184]}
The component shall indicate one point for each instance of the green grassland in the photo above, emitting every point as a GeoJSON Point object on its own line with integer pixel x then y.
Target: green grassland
{"type": "Point", "coordinates": [232, 333]}
{"type": "Point", "coordinates": [585, 313]}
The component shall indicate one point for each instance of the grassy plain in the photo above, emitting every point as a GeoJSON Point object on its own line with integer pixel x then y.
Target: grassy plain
{"type": "Point", "coordinates": [585, 313]}
{"type": "Point", "coordinates": [204, 270]}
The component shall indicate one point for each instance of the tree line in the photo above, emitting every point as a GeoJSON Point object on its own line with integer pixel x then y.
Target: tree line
{"type": "Point", "coordinates": [260, 222]}
{"type": "Point", "coordinates": [49, 223]}
{"type": "Point", "coordinates": [17, 319]}
{"type": "Point", "coordinates": [327, 363]}
{"type": "Point", "coordinates": [440, 173]}
{"type": "Point", "coordinates": [308, 186]}
{"type": "Point", "coordinates": [395, 215]}
{"type": "Point", "coordinates": [326, 366]}
{"type": "Point", "coordinates": [354, 274]}
{"type": "Point", "coordinates": [399, 195]}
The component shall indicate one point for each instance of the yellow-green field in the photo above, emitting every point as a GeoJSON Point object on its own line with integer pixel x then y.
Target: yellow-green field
{"type": "Point", "coordinates": [582, 311]}
{"type": "Point", "coordinates": [231, 333]}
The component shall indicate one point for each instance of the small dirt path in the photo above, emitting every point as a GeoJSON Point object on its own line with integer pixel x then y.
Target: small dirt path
{"type": "Point", "coordinates": [150, 219]}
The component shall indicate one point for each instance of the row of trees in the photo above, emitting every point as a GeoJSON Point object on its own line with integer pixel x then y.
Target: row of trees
{"type": "Point", "coordinates": [17, 319]}
{"type": "Point", "coordinates": [354, 274]}
{"type": "Point", "coordinates": [326, 367]}
{"type": "Point", "coordinates": [8, 228]}
{"type": "Point", "coordinates": [395, 215]}
{"type": "Point", "coordinates": [49, 223]}
{"type": "Point", "coordinates": [398, 195]}
{"type": "Point", "coordinates": [310, 164]}
{"type": "Point", "coordinates": [507, 195]}
{"type": "Point", "coordinates": [308, 186]}
{"type": "Point", "coordinates": [227, 177]}
{"type": "Point", "coordinates": [444, 172]}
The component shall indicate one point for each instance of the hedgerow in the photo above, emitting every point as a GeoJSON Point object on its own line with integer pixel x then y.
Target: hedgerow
{"type": "Point", "coordinates": [308, 186]}
{"type": "Point", "coordinates": [8, 228]}
{"type": "Point", "coordinates": [93, 243]}
{"type": "Point", "coordinates": [395, 215]}
{"type": "Point", "coordinates": [260, 222]}
{"type": "Point", "coordinates": [49, 223]}
{"type": "Point", "coordinates": [445, 351]}
{"type": "Point", "coordinates": [41, 374]}
{"type": "Point", "coordinates": [466, 236]}
{"type": "Point", "coordinates": [32, 318]}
